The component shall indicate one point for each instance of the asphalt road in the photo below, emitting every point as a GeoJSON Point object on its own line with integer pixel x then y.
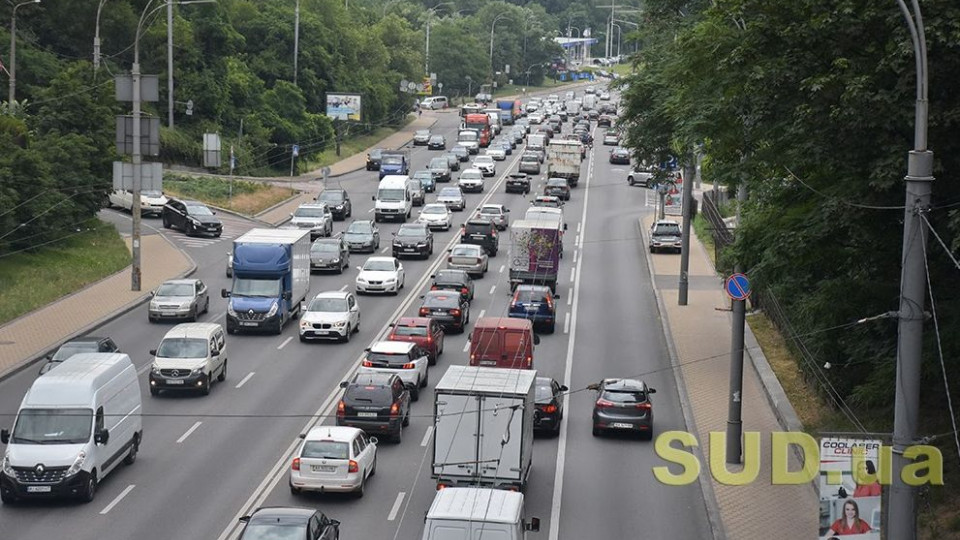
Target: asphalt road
{"type": "Point", "coordinates": [205, 461]}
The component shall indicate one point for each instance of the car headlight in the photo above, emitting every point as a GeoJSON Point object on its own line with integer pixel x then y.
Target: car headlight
{"type": "Point", "coordinates": [304, 324]}
{"type": "Point", "coordinates": [154, 304]}
{"type": "Point", "coordinates": [339, 207]}
{"type": "Point", "coordinates": [195, 221]}
{"type": "Point", "coordinates": [335, 261]}
{"type": "Point", "coordinates": [155, 369]}
{"type": "Point", "coordinates": [186, 305]}
{"type": "Point", "coordinates": [390, 280]}
{"type": "Point", "coordinates": [77, 464]}
{"type": "Point", "coordinates": [361, 280]}
{"type": "Point", "coordinates": [397, 243]}
{"type": "Point", "coordinates": [421, 244]}
{"type": "Point", "coordinates": [273, 309]}
{"type": "Point", "coordinates": [230, 310]}
{"type": "Point", "coordinates": [196, 371]}
{"type": "Point", "coordinates": [340, 324]}
{"type": "Point", "coordinates": [7, 468]}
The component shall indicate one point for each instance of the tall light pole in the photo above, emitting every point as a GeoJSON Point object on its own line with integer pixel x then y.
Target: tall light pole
{"type": "Point", "coordinates": [296, 40]}
{"type": "Point", "coordinates": [492, 27]}
{"type": "Point", "coordinates": [170, 65]}
{"type": "Point", "coordinates": [619, 33]}
{"type": "Point", "coordinates": [579, 36]}
{"type": "Point", "coordinates": [426, 53]}
{"type": "Point", "coordinates": [13, 50]}
{"type": "Point", "coordinates": [96, 38]}
{"type": "Point", "coordinates": [919, 180]}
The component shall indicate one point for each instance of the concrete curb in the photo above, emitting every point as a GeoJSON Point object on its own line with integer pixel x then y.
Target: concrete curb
{"type": "Point", "coordinates": [116, 314]}
{"type": "Point", "coordinates": [709, 497]}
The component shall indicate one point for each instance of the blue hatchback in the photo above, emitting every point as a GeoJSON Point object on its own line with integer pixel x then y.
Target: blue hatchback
{"type": "Point", "coordinates": [537, 303]}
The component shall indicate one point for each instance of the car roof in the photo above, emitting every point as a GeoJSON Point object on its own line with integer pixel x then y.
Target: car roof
{"type": "Point", "coordinates": [533, 288]}
{"type": "Point", "coordinates": [332, 294]}
{"type": "Point", "coordinates": [192, 330]}
{"type": "Point", "coordinates": [492, 207]}
{"type": "Point", "coordinates": [371, 378]}
{"type": "Point", "coordinates": [479, 221]}
{"type": "Point", "coordinates": [332, 433]}
{"type": "Point", "coordinates": [471, 170]}
{"type": "Point", "coordinates": [380, 259]}
{"type": "Point", "coordinates": [267, 512]}
{"type": "Point", "coordinates": [450, 272]}
{"type": "Point", "coordinates": [472, 247]}
{"type": "Point", "coordinates": [180, 282]}
{"type": "Point", "coordinates": [313, 205]}
{"type": "Point", "coordinates": [666, 222]}
{"type": "Point", "coordinates": [392, 347]}
{"type": "Point", "coordinates": [413, 321]}
{"type": "Point", "coordinates": [624, 385]}
{"type": "Point", "coordinates": [85, 339]}
{"type": "Point", "coordinates": [443, 295]}
{"type": "Point", "coordinates": [503, 322]}
{"type": "Point", "coordinates": [435, 205]}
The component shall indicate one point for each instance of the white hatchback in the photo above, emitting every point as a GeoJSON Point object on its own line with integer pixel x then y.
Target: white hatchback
{"type": "Point", "coordinates": [498, 154]}
{"type": "Point", "coordinates": [401, 358]}
{"type": "Point", "coordinates": [333, 458]}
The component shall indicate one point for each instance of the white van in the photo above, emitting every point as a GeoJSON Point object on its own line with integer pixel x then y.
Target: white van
{"type": "Point", "coordinates": [477, 514]}
{"type": "Point", "coordinates": [74, 426]}
{"type": "Point", "coordinates": [495, 124]}
{"type": "Point", "coordinates": [393, 199]}
{"type": "Point", "coordinates": [435, 102]}
{"type": "Point", "coordinates": [188, 358]}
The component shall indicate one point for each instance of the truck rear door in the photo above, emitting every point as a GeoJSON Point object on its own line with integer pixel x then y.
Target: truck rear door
{"type": "Point", "coordinates": [501, 437]}
{"type": "Point", "coordinates": [454, 439]}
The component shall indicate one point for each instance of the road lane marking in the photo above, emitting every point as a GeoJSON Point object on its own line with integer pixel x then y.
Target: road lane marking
{"type": "Point", "coordinates": [566, 324]}
{"type": "Point", "coordinates": [576, 241]}
{"type": "Point", "coordinates": [466, 346]}
{"type": "Point", "coordinates": [344, 287]}
{"type": "Point", "coordinates": [482, 312]}
{"type": "Point", "coordinates": [573, 273]}
{"type": "Point", "coordinates": [370, 210]}
{"type": "Point", "coordinates": [578, 224]}
{"type": "Point", "coordinates": [244, 380]}
{"type": "Point", "coordinates": [189, 431]}
{"type": "Point", "coordinates": [144, 369]}
{"type": "Point", "coordinates": [396, 506]}
{"type": "Point", "coordinates": [426, 436]}
{"type": "Point", "coordinates": [502, 268]}
{"type": "Point", "coordinates": [386, 249]}
{"type": "Point", "coordinates": [126, 491]}
{"type": "Point", "coordinates": [570, 296]}
{"type": "Point", "coordinates": [220, 315]}
{"type": "Point", "coordinates": [493, 289]}
{"type": "Point", "coordinates": [284, 344]}
{"type": "Point", "coordinates": [574, 256]}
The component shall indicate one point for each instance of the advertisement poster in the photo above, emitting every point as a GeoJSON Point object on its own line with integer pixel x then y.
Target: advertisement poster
{"type": "Point", "coordinates": [849, 503]}
{"type": "Point", "coordinates": [343, 106]}
{"type": "Point", "coordinates": [673, 201]}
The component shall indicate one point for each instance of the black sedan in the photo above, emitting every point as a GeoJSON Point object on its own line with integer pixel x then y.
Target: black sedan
{"type": "Point", "coordinates": [461, 152]}
{"type": "Point", "coordinates": [558, 187]}
{"type": "Point", "coordinates": [620, 155]}
{"type": "Point", "coordinates": [191, 217]}
{"type": "Point", "coordinates": [549, 405]}
{"type": "Point", "coordinates": [454, 280]}
{"type": "Point", "coordinates": [77, 346]}
{"type": "Point", "coordinates": [437, 142]}
{"type": "Point", "coordinates": [447, 308]}
{"type": "Point", "coordinates": [518, 182]}
{"type": "Point", "coordinates": [623, 405]}
{"type": "Point", "coordinates": [413, 239]}
{"type": "Point", "coordinates": [289, 522]}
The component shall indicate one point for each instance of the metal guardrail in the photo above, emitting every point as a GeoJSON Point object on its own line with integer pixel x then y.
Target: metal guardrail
{"type": "Point", "coordinates": [722, 235]}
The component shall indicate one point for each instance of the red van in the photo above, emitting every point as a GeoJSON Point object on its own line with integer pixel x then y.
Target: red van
{"type": "Point", "coordinates": [502, 342]}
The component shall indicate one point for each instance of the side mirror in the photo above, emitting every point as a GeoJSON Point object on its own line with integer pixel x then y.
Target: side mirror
{"type": "Point", "coordinates": [244, 519]}
{"type": "Point", "coordinates": [335, 522]}
{"type": "Point", "coordinates": [373, 198]}
{"type": "Point", "coordinates": [303, 435]}
{"type": "Point", "coordinates": [421, 297]}
{"type": "Point", "coordinates": [374, 440]}
{"type": "Point", "coordinates": [651, 390]}
{"type": "Point", "coordinates": [556, 295]}
{"type": "Point", "coordinates": [214, 352]}
{"type": "Point", "coordinates": [343, 384]}
{"type": "Point", "coordinates": [291, 214]}
{"type": "Point", "coordinates": [102, 436]}
{"type": "Point", "coordinates": [594, 386]}
{"type": "Point", "coordinates": [359, 268]}
{"type": "Point", "coordinates": [564, 226]}
{"type": "Point", "coordinates": [224, 293]}
{"type": "Point", "coordinates": [153, 293]}
{"type": "Point", "coordinates": [469, 337]}
{"type": "Point", "coordinates": [533, 525]}
{"type": "Point", "coordinates": [287, 295]}
{"type": "Point", "coordinates": [153, 352]}
{"type": "Point", "coordinates": [433, 276]}
{"type": "Point", "coordinates": [303, 307]}
{"type": "Point", "coordinates": [563, 388]}
{"type": "Point", "coordinates": [4, 436]}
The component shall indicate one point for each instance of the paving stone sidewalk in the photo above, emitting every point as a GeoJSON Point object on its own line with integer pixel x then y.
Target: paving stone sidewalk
{"type": "Point", "coordinates": [701, 334]}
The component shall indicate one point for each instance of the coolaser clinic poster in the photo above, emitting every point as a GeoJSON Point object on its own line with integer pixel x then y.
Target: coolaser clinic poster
{"type": "Point", "coordinates": [849, 502]}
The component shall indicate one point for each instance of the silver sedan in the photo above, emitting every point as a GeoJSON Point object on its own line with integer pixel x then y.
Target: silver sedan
{"type": "Point", "coordinates": [452, 197]}
{"type": "Point", "coordinates": [470, 258]}
{"type": "Point", "coordinates": [179, 299]}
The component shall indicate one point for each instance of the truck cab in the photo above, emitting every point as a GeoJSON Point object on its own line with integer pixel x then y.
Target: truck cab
{"type": "Point", "coordinates": [477, 514]}
{"type": "Point", "coordinates": [394, 163]}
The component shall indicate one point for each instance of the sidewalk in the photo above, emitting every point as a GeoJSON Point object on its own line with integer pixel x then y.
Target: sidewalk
{"type": "Point", "coordinates": [700, 333]}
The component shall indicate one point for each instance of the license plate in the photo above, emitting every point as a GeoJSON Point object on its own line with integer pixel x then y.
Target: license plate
{"type": "Point", "coordinates": [476, 236]}
{"type": "Point", "coordinates": [533, 309]}
{"type": "Point", "coordinates": [408, 250]}
{"type": "Point", "coordinates": [439, 312]}
{"type": "Point", "coordinates": [174, 381]}
{"type": "Point", "coordinates": [38, 489]}
{"type": "Point", "coordinates": [367, 414]}
{"type": "Point", "coordinates": [323, 468]}
{"type": "Point", "coordinates": [248, 324]}
{"type": "Point", "coordinates": [621, 425]}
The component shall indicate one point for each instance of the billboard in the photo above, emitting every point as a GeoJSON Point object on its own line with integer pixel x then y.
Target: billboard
{"type": "Point", "coordinates": [343, 106]}
{"type": "Point", "coordinates": [426, 87]}
{"type": "Point", "coordinates": [849, 489]}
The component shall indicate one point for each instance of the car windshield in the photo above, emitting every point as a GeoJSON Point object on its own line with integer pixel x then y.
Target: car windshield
{"type": "Point", "coordinates": [331, 196]}
{"type": "Point", "coordinates": [410, 330]}
{"type": "Point", "coordinates": [325, 450]}
{"type": "Point", "coordinates": [528, 295]}
{"type": "Point", "coordinates": [360, 227]}
{"type": "Point", "coordinates": [491, 211]}
{"type": "Point", "coordinates": [175, 289]}
{"type": "Point", "coordinates": [151, 194]}
{"type": "Point", "coordinates": [376, 153]}
{"type": "Point", "coordinates": [667, 229]}
{"type": "Point", "coordinates": [379, 266]}
{"type": "Point", "coordinates": [265, 288]}
{"type": "Point", "coordinates": [324, 247]}
{"type": "Point", "coordinates": [367, 394]}
{"type": "Point", "coordinates": [310, 212]}
{"type": "Point", "coordinates": [471, 175]}
{"type": "Point", "coordinates": [198, 210]}
{"type": "Point", "coordinates": [449, 277]}
{"type": "Point", "coordinates": [275, 531]}
{"type": "Point", "coordinates": [477, 228]}
{"type": "Point", "coordinates": [52, 426]}
{"type": "Point", "coordinates": [391, 194]}
{"type": "Point", "coordinates": [483, 159]}
{"type": "Point", "coordinates": [182, 348]}
{"type": "Point", "coordinates": [544, 393]}
{"type": "Point", "coordinates": [328, 305]}
{"type": "Point", "coordinates": [436, 138]}
{"type": "Point", "coordinates": [438, 163]}
{"type": "Point", "coordinates": [464, 251]}
{"type": "Point", "coordinates": [441, 300]}
{"type": "Point", "coordinates": [530, 159]}
{"type": "Point", "coordinates": [434, 210]}
{"type": "Point", "coordinates": [422, 133]}
{"type": "Point", "coordinates": [624, 396]}
{"type": "Point", "coordinates": [557, 182]}
{"type": "Point", "coordinates": [392, 160]}
{"type": "Point", "coordinates": [450, 192]}
{"type": "Point", "coordinates": [69, 349]}
{"type": "Point", "coordinates": [413, 232]}
{"type": "Point", "coordinates": [467, 136]}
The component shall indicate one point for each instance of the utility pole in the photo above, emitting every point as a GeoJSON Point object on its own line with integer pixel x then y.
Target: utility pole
{"type": "Point", "coordinates": [902, 524]}
{"type": "Point", "coordinates": [734, 450]}
{"type": "Point", "coordinates": [137, 160]}
{"type": "Point", "coordinates": [687, 209]}
{"type": "Point", "coordinates": [170, 65]}
{"type": "Point", "coordinates": [296, 41]}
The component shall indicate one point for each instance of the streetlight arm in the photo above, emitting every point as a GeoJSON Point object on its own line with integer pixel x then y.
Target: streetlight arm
{"type": "Point", "coordinates": [917, 35]}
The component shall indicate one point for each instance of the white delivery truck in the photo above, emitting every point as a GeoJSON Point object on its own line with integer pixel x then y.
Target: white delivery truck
{"type": "Point", "coordinates": [563, 160]}
{"type": "Point", "coordinates": [589, 102]}
{"type": "Point", "coordinates": [477, 514]}
{"type": "Point", "coordinates": [75, 425]}
{"type": "Point", "coordinates": [483, 427]}
{"type": "Point", "coordinates": [393, 199]}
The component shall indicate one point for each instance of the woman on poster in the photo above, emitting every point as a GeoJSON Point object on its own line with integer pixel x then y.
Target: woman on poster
{"type": "Point", "coordinates": [867, 490]}
{"type": "Point", "coordinates": [850, 523]}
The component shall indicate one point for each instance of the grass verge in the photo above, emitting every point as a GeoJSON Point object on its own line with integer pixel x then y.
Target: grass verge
{"type": "Point", "coordinates": [249, 198]}
{"type": "Point", "coordinates": [29, 281]}
{"type": "Point", "coordinates": [353, 145]}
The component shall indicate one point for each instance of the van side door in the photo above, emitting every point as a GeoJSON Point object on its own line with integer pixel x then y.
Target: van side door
{"type": "Point", "coordinates": [219, 343]}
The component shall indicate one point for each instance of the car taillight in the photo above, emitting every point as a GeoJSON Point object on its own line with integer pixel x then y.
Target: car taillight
{"type": "Point", "coordinates": [516, 298]}
{"type": "Point", "coordinates": [429, 338]}
{"type": "Point", "coordinates": [354, 466]}
{"type": "Point", "coordinates": [455, 312]}
{"type": "Point", "coordinates": [409, 365]}
{"type": "Point", "coordinates": [604, 404]}
{"type": "Point", "coordinates": [645, 406]}
{"type": "Point", "coordinates": [434, 288]}
{"type": "Point", "coordinates": [529, 361]}
{"type": "Point", "coordinates": [424, 312]}
{"type": "Point", "coordinates": [394, 409]}
{"type": "Point", "coordinates": [341, 409]}
{"type": "Point", "coordinates": [367, 363]}
{"type": "Point", "coordinates": [449, 259]}
{"type": "Point", "coordinates": [550, 302]}
{"type": "Point", "coordinates": [296, 464]}
{"type": "Point", "coordinates": [550, 408]}
{"type": "Point", "coordinates": [464, 290]}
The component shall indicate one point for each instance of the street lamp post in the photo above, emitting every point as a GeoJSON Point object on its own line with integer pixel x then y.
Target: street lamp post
{"type": "Point", "coordinates": [430, 13]}
{"type": "Point", "coordinates": [492, 27]}
{"type": "Point", "coordinates": [13, 50]}
{"type": "Point", "coordinates": [96, 38]}
{"type": "Point", "coordinates": [296, 40]}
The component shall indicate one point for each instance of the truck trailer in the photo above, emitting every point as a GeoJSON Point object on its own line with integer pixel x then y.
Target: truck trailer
{"type": "Point", "coordinates": [563, 160]}
{"type": "Point", "coordinates": [535, 248]}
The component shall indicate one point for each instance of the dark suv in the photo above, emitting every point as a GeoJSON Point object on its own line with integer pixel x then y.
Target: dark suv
{"type": "Point", "coordinates": [191, 217]}
{"type": "Point", "coordinates": [375, 403]}
{"type": "Point", "coordinates": [338, 202]}
{"type": "Point", "coordinates": [413, 239]}
{"type": "Point", "coordinates": [373, 159]}
{"type": "Point", "coordinates": [481, 232]}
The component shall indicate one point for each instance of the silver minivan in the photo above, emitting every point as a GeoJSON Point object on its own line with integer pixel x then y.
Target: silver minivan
{"type": "Point", "coordinates": [188, 358]}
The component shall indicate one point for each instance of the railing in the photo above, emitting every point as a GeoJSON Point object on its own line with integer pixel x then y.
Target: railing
{"type": "Point", "coordinates": [722, 235]}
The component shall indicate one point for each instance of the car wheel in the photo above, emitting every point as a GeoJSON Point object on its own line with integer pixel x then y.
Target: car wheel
{"type": "Point", "coordinates": [398, 436]}
{"type": "Point", "coordinates": [426, 379]}
{"type": "Point", "coordinates": [205, 390]}
{"type": "Point", "coordinates": [647, 435]}
{"type": "Point", "coordinates": [360, 490]}
{"type": "Point", "coordinates": [406, 419]}
{"type": "Point", "coordinates": [166, 222]}
{"type": "Point", "coordinates": [223, 372]}
{"type": "Point", "coordinates": [6, 497]}
{"type": "Point", "coordinates": [294, 490]}
{"type": "Point", "coordinates": [415, 392]}
{"type": "Point", "coordinates": [346, 336]}
{"type": "Point", "coordinates": [552, 328]}
{"type": "Point", "coordinates": [132, 454]}
{"type": "Point", "coordinates": [303, 339]}
{"type": "Point", "coordinates": [90, 488]}
{"type": "Point", "coordinates": [154, 391]}
{"type": "Point", "coordinates": [206, 306]}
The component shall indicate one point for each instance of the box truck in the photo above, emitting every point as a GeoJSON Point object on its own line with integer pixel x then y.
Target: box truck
{"type": "Point", "coordinates": [535, 247]}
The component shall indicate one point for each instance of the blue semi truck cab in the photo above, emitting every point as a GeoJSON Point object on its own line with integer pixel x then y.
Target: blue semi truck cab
{"type": "Point", "coordinates": [271, 277]}
{"type": "Point", "coordinates": [506, 107]}
{"type": "Point", "coordinates": [394, 163]}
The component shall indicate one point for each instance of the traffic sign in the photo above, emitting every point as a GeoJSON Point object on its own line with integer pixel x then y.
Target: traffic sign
{"type": "Point", "coordinates": [737, 287]}
{"type": "Point", "coordinates": [295, 150]}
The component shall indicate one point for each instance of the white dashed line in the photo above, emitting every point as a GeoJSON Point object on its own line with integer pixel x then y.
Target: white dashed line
{"type": "Point", "coordinates": [370, 210]}
{"type": "Point", "coordinates": [466, 346]}
{"type": "Point", "coordinates": [386, 249]}
{"type": "Point", "coordinates": [189, 431]}
{"type": "Point", "coordinates": [566, 324]}
{"type": "Point", "coordinates": [482, 312]}
{"type": "Point", "coordinates": [221, 315]}
{"type": "Point", "coordinates": [574, 256]}
{"type": "Point", "coordinates": [426, 436]}
{"type": "Point", "coordinates": [502, 267]}
{"type": "Point", "coordinates": [120, 497]}
{"type": "Point", "coordinates": [573, 273]}
{"type": "Point", "coordinates": [396, 506]}
{"type": "Point", "coordinates": [284, 344]}
{"type": "Point", "coordinates": [570, 296]}
{"type": "Point", "coordinates": [493, 289]}
{"type": "Point", "coordinates": [578, 228]}
{"type": "Point", "coordinates": [245, 379]}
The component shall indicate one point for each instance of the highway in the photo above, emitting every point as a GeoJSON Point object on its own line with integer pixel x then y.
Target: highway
{"type": "Point", "coordinates": [205, 461]}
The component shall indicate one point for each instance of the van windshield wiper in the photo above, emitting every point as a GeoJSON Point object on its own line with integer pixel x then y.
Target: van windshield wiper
{"type": "Point", "coordinates": [18, 439]}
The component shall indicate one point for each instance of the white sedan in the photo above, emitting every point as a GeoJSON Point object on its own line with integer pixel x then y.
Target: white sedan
{"type": "Point", "coordinates": [486, 164]}
{"type": "Point", "coordinates": [151, 202]}
{"type": "Point", "coordinates": [471, 180]}
{"type": "Point", "coordinates": [330, 315]}
{"type": "Point", "coordinates": [380, 274]}
{"type": "Point", "coordinates": [333, 458]}
{"type": "Point", "coordinates": [436, 216]}
{"type": "Point", "coordinates": [498, 154]}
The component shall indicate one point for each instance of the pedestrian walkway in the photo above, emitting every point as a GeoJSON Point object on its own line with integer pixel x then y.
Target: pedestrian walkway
{"type": "Point", "coordinates": [38, 332]}
{"type": "Point", "coordinates": [701, 336]}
